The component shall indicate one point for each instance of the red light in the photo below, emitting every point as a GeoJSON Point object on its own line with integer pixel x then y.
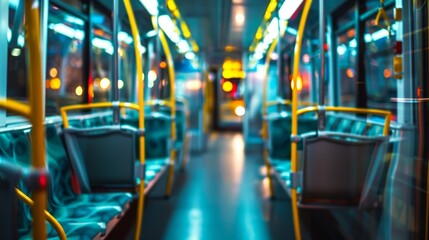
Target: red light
{"type": "Point", "coordinates": [397, 48]}
{"type": "Point", "coordinates": [326, 47]}
{"type": "Point", "coordinates": [43, 181]}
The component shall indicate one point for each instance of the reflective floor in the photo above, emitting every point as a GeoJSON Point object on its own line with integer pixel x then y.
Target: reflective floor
{"type": "Point", "coordinates": [220, 196]}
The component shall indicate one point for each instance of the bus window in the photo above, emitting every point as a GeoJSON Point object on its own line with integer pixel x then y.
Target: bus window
{"type": "Point", "coordinates": [346, 66]}
{"type": "Point", "coordinates": [64, 67]}
{"type": "Point", "coordinates": [380, 84]}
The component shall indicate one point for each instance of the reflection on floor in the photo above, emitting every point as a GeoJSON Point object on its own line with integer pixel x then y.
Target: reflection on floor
{"type": "Point", "coordinates": [220, 196]}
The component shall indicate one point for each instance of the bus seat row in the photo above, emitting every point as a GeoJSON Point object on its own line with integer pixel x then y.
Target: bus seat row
{"type": "Point", "coordinates": [320, 151]}
{"type": "Point", "coordinates": [83, 215]}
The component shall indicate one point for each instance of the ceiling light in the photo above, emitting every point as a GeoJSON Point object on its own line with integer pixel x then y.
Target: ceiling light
{"type": "Point", "coordinates": [239, 19]}
{"type": "Point", "coordinates": [288, 8]}
{"type": "Point", "coordinates": [189, 55]}
{"type": "Point", "coordinates": [169, 28]}
{"type": "Point", "coordinates": [151, 6]}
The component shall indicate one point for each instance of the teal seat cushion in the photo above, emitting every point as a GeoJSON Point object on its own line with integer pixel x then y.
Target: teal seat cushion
{"type": "Point", "coordinates": [73, 230]}
{"type": "Point", "coordinates": [71, 215]}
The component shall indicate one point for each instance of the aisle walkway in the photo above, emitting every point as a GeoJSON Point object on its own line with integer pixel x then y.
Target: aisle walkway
{"type": "Point", "coordinates": [219, 197]}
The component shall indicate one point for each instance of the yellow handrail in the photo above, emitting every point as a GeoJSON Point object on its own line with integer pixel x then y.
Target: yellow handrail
{"type": "Point", "coordinates": [57, 226]}
{"type": "Point", "coordinates": [37, 106]}
{"type": "Point", "coordinates": [296, 58]}
{"type": "Point", "coordinates": [86, 106]}
{"type": "Point", "coordinates": [171, 74]}
{"type": "Point", "coordinates": [386, 114]}
{"type": "Point", "coordinates": [141, 103]}
{"type": "Point", "coordinates": [16, 107]}
{"type": "Point", "coordinates": [382, 13]}
{"type": "Point", "coordinates": [35, 113]}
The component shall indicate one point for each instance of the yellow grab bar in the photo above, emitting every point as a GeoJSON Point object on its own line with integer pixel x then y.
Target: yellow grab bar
{"type": "Point", "coordinates": [57, 226]}
{"type": "Point", "coordinates": [34, 112]}
{"type": "Point", "coordinates": [86, 106]}
{"type": "Point", "coordinates": [171, 74]}
{"type": "Point", "coordinates": [140, 85]}
{"type": "Point", "coordinates": [386, 114]}
{"type": "Point", "coordinates": [37, 106]}
{"type": "Point", "coordinates": [296, 62]}
{"type": "Point", "coordinates": [16, 107]}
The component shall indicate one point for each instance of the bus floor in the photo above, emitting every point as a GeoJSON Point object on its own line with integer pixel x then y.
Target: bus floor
{"type": "Point", "coordinates": [223, 195]}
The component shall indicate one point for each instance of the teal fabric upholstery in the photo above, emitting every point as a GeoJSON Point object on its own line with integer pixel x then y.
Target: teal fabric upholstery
{"type": "Point", "coordinates": [61, 184]}
{"type": "Point", "coordinates": [15, 147]}
{"type": "Point", "coordinates": [280, 131]}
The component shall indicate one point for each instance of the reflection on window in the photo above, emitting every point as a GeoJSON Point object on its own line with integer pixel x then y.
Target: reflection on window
{"type": "Point", "coordinates": [381, 86]}
{"type": "Point", "coordinates": [64, 71]}
{"type": "Point", "coordinates": [17, 68]}
{"type": "Point", "coordinates": [102, 65]}
{"type": "Point", "coordinates": [127, 70]}
{"type": "Point", "coordinates": [346, 66]}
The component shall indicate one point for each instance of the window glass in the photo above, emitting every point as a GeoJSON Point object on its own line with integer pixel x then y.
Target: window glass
{"type": "Point", "coordinates": [77, 4]}
{"type": "Point", "coordinates": [101, 17]}
{"type": "Point", "coordinates": [64, 68]}
{"type": "Point", "coordinates": [346, 44]}
{"type": "Point", "coordinates": [347, 17]}
{"type": "Point", "coordinates": [127, 70]}
{"type": "Point", "coordinates": [17, 68]}
{"type": "Point", "coordinates": [381, 86]}
{"type": "Point", "coordinates": [102, 65]}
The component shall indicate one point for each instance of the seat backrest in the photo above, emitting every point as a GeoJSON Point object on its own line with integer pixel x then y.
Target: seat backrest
{"type": "Point", "coordinates": [102, 157]}
{"type": "Point", "coordinates": [58, 165]}
{"type": "Point", "coordinates": [340, 171]}
{"type": "Point", "coordinates": [280, 131]}
{"type": "Point", "coordinates": [157, 134]}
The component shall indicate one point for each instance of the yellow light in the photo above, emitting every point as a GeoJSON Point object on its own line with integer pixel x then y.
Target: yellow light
{"type": "Point", "coordinates": [229, 48]}
{"type": "Point", "coordinates": [104, 83]}
{"type": "Point", "coordinates": [120, 84]}
{"type": "Point", "coordinates": [240, 111]}
{"type": "Point", "coordinates": [259, 34]}
{"type": "Point", "coordinates": [185, 30]}
{"type": "Point", "coordinates": [53, 72]}
{"type": "Point", "coordinates": [228, 74]}
{"type": "Point", "coordinates": [79, 91]}
{"type": "Point", "coordinates": [227, 86]}
{"type": "Point", "coordinates": [193, 85]}
{"type": "Point", "coordinates": [298, 84]}
{"type": "Point", "coordinates": [171, 5]}
{"type": "Point", "coordinates": [162, 64]}
{"type": "Point", "coordinates": [55, 83]}
{"type": "Point", "coordinates": [195, 46]}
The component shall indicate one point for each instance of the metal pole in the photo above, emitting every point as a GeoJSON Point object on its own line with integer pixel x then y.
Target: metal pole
{"type": "Point", "coordinates": [115, 79]}
{"type": "Point", "coordinates": [279, 59]}
{"type": "Point", "coordinates": [322, 24]}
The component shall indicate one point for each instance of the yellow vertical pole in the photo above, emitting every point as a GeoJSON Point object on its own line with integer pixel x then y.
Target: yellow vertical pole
{"type": "Point", "coordinates": [37, 112]}
{"type": "Point", "coordinates": [140, 85]}
{"type": "Point", "coordinates": [294, 160]}
{"type": "Point", "coordinates": [172, 77]}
